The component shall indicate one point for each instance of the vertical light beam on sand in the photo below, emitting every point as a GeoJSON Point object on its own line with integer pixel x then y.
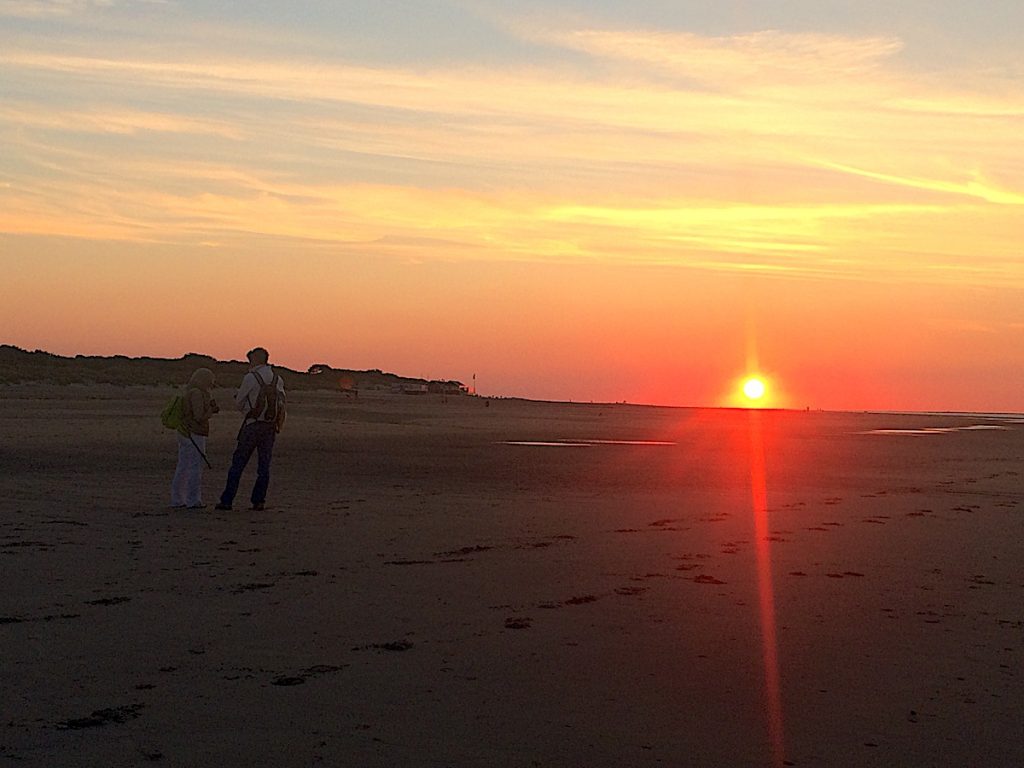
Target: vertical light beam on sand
{"type": "Point", "coordinates": [766, 592]}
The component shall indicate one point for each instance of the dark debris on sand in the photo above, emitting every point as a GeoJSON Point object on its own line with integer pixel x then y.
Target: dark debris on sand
{"type": "Point", "coordinates": [100, 717]}
{"type": "Point", "coordinates": [396, 645]}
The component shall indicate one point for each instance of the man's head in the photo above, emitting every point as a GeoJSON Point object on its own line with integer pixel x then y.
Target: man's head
{"type": "Point", "coordinates": [257, 357]}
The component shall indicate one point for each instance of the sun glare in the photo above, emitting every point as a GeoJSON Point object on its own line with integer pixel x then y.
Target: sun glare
{"type": "Point", "coordinates": [753, 389]}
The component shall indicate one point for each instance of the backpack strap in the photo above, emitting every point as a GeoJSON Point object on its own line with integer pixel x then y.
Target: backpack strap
{"type": "Point", "coordinates": [253, 413]}
{"type": "Point", "coordinates": [188, 412]}
{"type": "Point", "coordinates": [279, 402]}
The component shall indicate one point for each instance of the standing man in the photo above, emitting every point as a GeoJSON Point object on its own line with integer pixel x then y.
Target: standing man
{"type": "Point", "coordinates": [261, 399]}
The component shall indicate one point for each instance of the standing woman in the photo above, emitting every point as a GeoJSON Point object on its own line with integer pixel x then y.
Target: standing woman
{"type": "Point", "coordinates": [187, 485]}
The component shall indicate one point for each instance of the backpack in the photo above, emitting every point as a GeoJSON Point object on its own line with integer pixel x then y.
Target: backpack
{"type": "Point", "coordinates": [269, 402]}
{"type": "Point", "coordinates": [173, 414]}
{"type": "Point", "coordinates": [173, 417]}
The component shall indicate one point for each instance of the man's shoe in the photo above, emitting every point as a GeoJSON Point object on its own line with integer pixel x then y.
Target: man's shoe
{"type": "Point", "coordinates": [257, 506]}
{"type": "Point", "coordinates": [223, 507]}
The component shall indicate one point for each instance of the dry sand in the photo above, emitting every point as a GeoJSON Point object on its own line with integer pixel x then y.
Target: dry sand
{"type": "Point", "coordinates": [419, 593]}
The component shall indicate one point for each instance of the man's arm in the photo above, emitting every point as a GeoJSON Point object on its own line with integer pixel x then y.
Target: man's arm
{"type": "Point", "coordinates": [244, 399]}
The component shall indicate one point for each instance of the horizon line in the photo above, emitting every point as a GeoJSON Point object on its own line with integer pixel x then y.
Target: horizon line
{"type": "Point", "coordinates": [554, 401]}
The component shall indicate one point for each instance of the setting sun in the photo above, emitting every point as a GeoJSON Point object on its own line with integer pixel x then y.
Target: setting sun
{"type": "Point", "coordinates": [753, 389]}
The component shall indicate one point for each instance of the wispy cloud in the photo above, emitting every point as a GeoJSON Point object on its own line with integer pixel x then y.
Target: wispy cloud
{"type": "Point", "coordinates": [119, 120]}
{"type": "Point", "coordinates": [975, 185]}
{"type": "Point", "coordinates": [794, 154]}
{"type": "Point", "coordinates": [761, 58]}
{"type": "Point", "coordinates": [42, 9]}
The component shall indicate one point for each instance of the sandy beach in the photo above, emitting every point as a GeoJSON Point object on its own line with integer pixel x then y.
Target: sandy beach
{"type": "Point", "coordinates": [457, 583]}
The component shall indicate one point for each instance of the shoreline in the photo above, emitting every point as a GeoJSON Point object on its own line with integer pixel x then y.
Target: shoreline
{"type": "Point", "coordinates": [34, 390]}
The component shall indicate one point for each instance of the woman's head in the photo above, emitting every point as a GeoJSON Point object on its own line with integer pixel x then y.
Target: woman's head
{"type": "Point", "coordinates": [202, 379]}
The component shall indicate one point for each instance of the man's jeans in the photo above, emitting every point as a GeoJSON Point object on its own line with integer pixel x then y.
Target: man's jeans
{"type": "Point", "coordinates": [258, 436]}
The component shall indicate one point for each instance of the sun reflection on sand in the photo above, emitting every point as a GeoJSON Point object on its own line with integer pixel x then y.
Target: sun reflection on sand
{"type": "Point", "coordinates": [765, 589]}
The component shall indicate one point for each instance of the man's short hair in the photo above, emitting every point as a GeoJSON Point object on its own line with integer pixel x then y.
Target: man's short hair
{"type": "Point", "coordinates": [258, 356]}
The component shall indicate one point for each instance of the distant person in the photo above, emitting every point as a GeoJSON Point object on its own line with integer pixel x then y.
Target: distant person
{"type": "Point", "coordinates": [198, 407]}
{"type": "Point", "coordinates": [261, 399]}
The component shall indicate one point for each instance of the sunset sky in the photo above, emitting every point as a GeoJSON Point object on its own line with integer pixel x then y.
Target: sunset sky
{"type": "Point", "coordinates": [572, 199]}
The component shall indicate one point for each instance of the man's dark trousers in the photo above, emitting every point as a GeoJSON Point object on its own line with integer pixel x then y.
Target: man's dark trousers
{"type": "Point", "coordinates": [257, 436]}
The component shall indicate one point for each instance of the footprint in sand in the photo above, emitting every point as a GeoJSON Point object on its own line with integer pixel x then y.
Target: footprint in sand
{"type": "Point", "coordinates": [630, 591]}
{"type": "Point", "coordinates": [666, 525]}
{"type": "Point", "coordinates": [108, 601]}
{"type": "Point", "coordinates": [100, 717]}
{"type": "Point", "coordinates": [720, 517]}
{"type": "Point", "coordinates": [706, 579]}
{"type": "Point", "coordinates": [581, 600]}
{"type": "Point", "coordinates": [395, 646]}
{"type": "Point", "coordinates": [251, 587]}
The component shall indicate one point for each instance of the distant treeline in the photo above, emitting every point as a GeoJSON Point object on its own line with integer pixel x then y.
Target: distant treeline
{"type": "Point", "coordinates": [18, 366]}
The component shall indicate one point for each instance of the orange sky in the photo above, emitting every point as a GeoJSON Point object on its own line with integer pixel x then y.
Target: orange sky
{"type": "Point", "coordinates": [587, 207]}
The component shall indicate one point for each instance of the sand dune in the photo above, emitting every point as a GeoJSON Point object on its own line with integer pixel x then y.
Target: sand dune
{"type": "Point", "coordinates": [424, 591]}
